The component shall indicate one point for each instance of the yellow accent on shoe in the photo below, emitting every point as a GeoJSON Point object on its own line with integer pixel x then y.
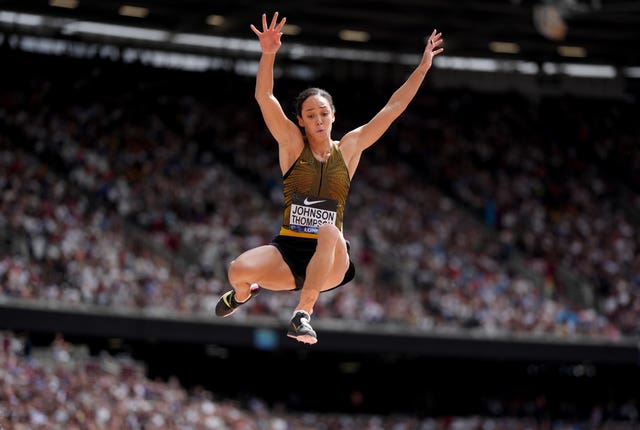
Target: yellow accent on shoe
{"type": "Point", "coordinates": [228, 303]}
{"type": "Point", "coordinates": [227, 298]}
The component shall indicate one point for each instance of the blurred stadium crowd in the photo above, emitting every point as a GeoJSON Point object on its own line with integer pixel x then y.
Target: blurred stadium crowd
{"type": "Point", "coordinates": [62, 386]}
{"type": "Point", "coordinates": [133, 188]}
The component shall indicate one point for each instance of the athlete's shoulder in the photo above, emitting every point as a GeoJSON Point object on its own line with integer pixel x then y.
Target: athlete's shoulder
{"type": "Point", "coordinates": [348, 146]}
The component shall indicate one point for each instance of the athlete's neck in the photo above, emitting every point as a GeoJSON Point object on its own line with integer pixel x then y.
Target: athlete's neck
{"type": "Point", "coordinates": [321, 150]}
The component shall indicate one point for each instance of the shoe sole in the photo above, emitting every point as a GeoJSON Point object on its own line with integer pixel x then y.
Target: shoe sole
{"type": "Point", "coordinates": [304, 338]}
{"type": "Point", "coordinates": [229, 314]}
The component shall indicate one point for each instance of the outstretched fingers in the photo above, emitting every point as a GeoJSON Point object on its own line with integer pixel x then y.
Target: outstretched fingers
{"type": "Point", "coordinates": [264, 26]}
{"type": "Point", "coordinates": [274, 21]}
{"type": "Point", "coordinates": [273, 26]}
{"type": "Point", "coordinates": [435, 35]}
{"type": "Point", "coordinates": [435, 40]}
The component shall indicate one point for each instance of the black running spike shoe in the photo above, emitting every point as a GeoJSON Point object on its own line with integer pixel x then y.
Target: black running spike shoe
{"type": "Point", "coordinates": [300, 328]}
{"type": "Point", "coordinates": [228, 303]}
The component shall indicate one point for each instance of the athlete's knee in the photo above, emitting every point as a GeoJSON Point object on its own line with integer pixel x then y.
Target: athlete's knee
{"type": "Point", "coordinates": [328, 233]}
{"type": "Point", "coordinates": [236, 271]}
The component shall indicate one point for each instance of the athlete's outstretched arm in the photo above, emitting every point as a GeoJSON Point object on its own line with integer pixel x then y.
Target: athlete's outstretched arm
{"type": "Point", "coordinates": [286, 133]}
{"type": "Point", "coordinates": [366, 135]}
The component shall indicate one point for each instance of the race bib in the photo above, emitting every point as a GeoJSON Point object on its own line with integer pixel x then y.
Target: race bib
{"type": "Point", "coordinates": [308, 212]}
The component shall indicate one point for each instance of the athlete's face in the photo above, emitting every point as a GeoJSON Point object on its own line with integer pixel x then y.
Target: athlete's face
{"type": "Point", "coordinates": [317, 117]}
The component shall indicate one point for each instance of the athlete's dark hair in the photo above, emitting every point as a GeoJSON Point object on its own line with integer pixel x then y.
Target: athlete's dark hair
{"type": "Point", "coordinates": [312, 92]}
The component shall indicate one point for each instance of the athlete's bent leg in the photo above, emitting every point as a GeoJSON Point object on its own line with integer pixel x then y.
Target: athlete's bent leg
{"type": "Point", "coordinates": [326, 268]}
{"type": "Point", "coordinates": [263, 265]}
{"type": "Point", "coordinates": [259, 267]}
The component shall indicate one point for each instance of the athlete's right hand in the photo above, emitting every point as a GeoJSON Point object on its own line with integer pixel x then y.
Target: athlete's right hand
{"type": "Point", "coordinates": [270, 35]}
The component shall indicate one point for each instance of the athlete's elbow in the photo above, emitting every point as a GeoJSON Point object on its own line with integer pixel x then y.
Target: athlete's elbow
{"type": "Point", "coordinates": [396, 107]}
{"type": "Point", "coordinates": [262, 96]}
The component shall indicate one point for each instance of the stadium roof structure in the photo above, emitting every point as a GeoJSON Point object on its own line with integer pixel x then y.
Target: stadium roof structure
{"type": "Point", "coordinates": [586, 31]}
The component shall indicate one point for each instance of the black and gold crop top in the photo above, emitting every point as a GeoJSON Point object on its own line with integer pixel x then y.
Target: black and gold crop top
{"type": "Point", "coordinates": [315, 193]}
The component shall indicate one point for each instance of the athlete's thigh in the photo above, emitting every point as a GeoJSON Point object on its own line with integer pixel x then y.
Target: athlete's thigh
{"type": "Point", "coordinates": [265, 266]}
{"type": "Point", "coordinates": [340, 265]}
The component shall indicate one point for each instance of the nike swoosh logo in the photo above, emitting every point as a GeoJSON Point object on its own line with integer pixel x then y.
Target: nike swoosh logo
{"type": "Point", "coordinates": [312, 202]}
{"type": "Point", "coordinates": [227, 300]}
{"type": "Point", "coordinates": [304, 162]}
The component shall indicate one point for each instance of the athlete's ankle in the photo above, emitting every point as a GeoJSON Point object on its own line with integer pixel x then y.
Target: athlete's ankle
{"type": "Point", "coordinates": [241, 298]}
{"type": "Point", "coordinates": [245, 294]}
{"type": "Point", "coordinates": [301, 310]}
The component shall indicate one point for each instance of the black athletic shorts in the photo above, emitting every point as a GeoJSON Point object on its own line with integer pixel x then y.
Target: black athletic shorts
{"type": "Point", "coordinates": [297, 251]}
